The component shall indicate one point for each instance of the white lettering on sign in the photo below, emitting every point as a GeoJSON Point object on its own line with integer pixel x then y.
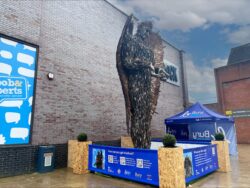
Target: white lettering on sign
{"type": "Point", "coordinates": [171, 131]}
{"type": "Point", "coordinates": [193, 113]}
{"type": "Point", "coordinates": [204, 134]}
{"type": "Point", "coordinates": [12, 88]}
{"type": "Point", "coordinates": [173, 72]}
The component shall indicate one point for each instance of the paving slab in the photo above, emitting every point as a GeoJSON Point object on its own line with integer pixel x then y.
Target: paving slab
{"type": "Point", "coordinates": [64, 178]}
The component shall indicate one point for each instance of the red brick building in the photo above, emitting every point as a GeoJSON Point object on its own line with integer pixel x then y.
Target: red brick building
{"type": "Point", "coordinates": [233, 90]}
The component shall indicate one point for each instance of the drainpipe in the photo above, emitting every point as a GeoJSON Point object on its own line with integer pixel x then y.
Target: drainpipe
{"type": "Point", "coordinates": [184, 80]}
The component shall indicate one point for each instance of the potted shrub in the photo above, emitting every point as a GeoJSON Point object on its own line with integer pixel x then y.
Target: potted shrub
{"type": "Point", "coordinates": [171, 163]}
{"type": "Point", "coordinates": [222, 152]}
{"type": "Point", "coordinates": [169, 141]}
{"type": "Point", "coordinates": [82, 137]}
{"type": "Point", "coordinates": [78, 154]}
{"type": "Point", "coordinates": [219, 137]}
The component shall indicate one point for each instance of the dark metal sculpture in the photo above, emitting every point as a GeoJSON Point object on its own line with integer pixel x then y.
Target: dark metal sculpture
{"type": "Point", "coordinates": [140, 67]}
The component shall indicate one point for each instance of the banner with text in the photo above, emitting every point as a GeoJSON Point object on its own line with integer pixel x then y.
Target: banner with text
{"type": "Point", "coordinates": [17, 79]}
{"type": "Point", "coordinates": [200, 161]}
{"type": "Point", "coordinates": [134, 164]}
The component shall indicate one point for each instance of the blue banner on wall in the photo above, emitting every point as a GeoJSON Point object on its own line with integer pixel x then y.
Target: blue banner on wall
{"type": "Point", "coordinates": [134, 164]}
{"type": "Point", "coordinates": [200, 161]}
{"type": "Point", "coordinates": [17, 80]}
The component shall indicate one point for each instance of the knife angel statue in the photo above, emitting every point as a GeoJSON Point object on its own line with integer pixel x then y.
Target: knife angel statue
{"type": "Point", "coordinates": [140, 67]}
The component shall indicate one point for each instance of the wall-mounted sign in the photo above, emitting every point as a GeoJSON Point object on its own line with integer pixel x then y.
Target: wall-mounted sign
{"type": "Point", "coordinates": [173, 71]}
{"type": "Point", "coordinates": [238, 113]}
{"type": "Point", "coordinates": [18, 61]}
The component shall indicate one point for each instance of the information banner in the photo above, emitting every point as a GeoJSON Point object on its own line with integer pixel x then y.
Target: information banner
{"type": "Point", "coordinates": [134, 164]}
{"type": "Point", "coordinates": [18, 61]}
{"type": "Point", "coordinates": [200, 161]}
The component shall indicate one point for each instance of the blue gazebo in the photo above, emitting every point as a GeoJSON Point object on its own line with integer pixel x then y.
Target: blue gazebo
{"type": "Point", "coordinates": [200, 123]}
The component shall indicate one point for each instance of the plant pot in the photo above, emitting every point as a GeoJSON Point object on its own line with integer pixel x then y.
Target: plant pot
{"type": "Point", "coordinates": [78, 156]}
{"type": "Point", "coordinates": [171, 167]}
{"type": "Point", "coordinates": [223, 156]}
{"type": "Point", "coordinates": [71, 151]}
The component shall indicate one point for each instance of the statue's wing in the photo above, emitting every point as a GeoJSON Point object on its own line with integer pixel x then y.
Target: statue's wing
{"type": "Point", "coordinates": [156, 44]}
{"type": "Point", "coordinates": [126, 32]}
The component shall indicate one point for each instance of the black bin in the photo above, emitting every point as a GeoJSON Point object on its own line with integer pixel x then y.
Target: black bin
{"type": "Point", "coordinates": [46, 159]}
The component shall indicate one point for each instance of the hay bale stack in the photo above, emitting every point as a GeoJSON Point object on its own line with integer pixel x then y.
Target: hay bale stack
{"type": "Point", "coordinates": [171, 168]}
{"type": "Point", "coordinates": [126, 142]}
{"type": "Point", "coordinates": [223, 156]}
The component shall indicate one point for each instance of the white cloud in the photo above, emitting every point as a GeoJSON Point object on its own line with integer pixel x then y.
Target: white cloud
{"type": "Point", "coordinates": [218, 62]}
{"type": "Point", "coordinates": [185, 15]}
{"type": "Point", "coordinates": [201, 81]}
{"type": "Point", "coordinates": [240, 36]}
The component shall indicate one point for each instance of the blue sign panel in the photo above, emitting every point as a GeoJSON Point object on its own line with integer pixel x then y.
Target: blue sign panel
{"type": "Point", "coordinates": [134, 164]}
{"type": "Point", "coordinates": [17, 80]}
{"type": "Point", "coordinates": [200, 161]}
{"type": "Point", "coordinates": [181, 132]}
{"type": "Point", "coordinates": [201, 131]}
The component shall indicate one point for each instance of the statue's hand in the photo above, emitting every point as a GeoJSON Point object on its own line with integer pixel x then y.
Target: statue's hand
{"type": "Point", "coordinates": [161, 73]}
{"type": "Point", "coordinates": [152, 67]}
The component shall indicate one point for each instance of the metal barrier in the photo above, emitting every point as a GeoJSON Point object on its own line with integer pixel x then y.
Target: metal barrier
{"type": "Point", "coordinates": [200, 161]}
{"type": "Point", "coordinates": [141, 165]}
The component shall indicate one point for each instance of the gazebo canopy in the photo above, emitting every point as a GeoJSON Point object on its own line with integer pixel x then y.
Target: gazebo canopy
{"type": "Point", "coordinates": [197, 113]}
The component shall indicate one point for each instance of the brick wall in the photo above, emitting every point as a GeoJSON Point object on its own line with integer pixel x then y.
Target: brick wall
{"type": "Point", "coordinates": [213, 106]}
{"type": "Point", "coordinates": [233, 83]}
{"type": "Point", "coordinates": [78, 41]}
{"type": "Point", "coordinates": [16, 160]}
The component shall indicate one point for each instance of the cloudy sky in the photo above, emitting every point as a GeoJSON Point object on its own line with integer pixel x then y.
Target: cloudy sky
{"type": "Point", "coordinates": [205, 29]}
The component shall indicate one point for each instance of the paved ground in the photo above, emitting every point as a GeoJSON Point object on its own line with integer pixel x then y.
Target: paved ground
{"type": "Point", "coordinates": [238, 178]}
{"type": "Point", "coordinates": [64, 178]}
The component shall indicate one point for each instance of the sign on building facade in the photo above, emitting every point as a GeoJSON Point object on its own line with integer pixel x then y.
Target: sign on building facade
{"type": "Point", "coordinates": [238, 113]}
{"type": "Point", "coordinates": [18, 61]}
{"type": "Point", "coordinates": [173, 71]}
